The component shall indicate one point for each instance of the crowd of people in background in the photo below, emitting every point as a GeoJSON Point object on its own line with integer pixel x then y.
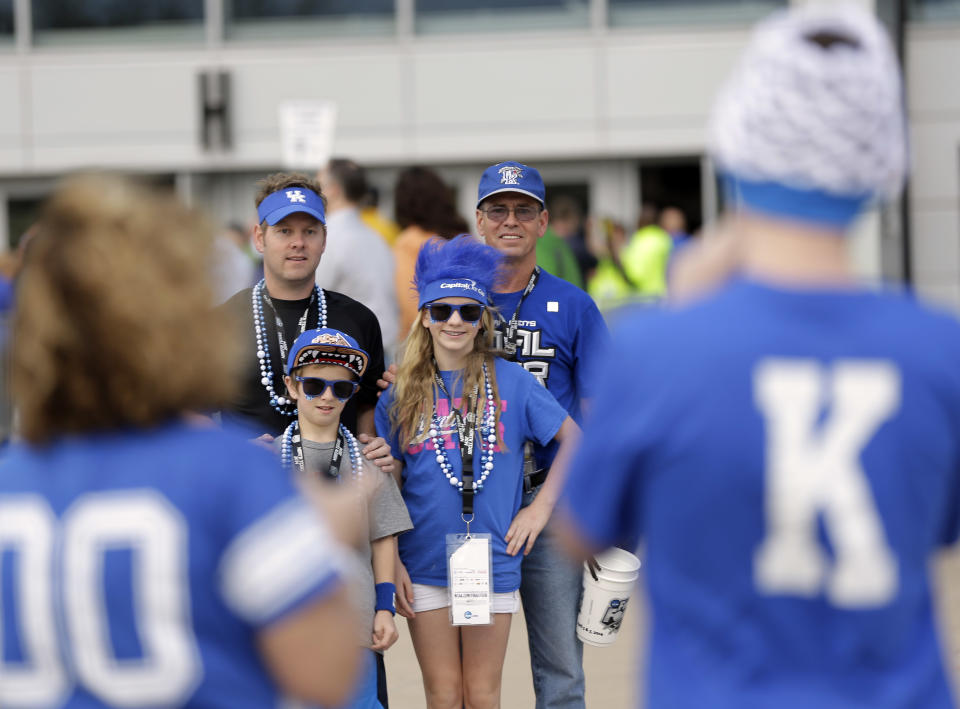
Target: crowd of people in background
{"type": "Point", "coordinates": [616, 264]}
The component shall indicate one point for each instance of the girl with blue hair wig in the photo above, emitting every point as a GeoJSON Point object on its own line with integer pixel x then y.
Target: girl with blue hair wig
{"type": "Point", "coordinates": [449, 404]}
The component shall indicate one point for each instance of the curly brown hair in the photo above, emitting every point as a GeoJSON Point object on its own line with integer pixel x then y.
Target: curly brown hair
{"type": "Point", "coordinates": [423, 199]}
{"type": "Point", "coordinates": [114, 325]}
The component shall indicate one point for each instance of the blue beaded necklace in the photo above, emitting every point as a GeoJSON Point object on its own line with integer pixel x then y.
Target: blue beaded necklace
{"type": "Point", "coordinates": [279, 403]}
{"type": "Point", "coordinates": [488, 439]}
{"type": "Point", "coordinates": [291, 450]}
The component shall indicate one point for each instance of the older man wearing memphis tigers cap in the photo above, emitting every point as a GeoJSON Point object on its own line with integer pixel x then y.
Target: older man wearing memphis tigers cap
{"type": "Point", "coordinates": [554, 330]}
{"type": "Point", "coordinates": [291, 236]}
{"type": "Point", "coordinates": [787, 446]}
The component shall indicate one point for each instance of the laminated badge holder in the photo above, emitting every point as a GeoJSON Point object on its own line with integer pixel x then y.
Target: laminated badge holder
{"type": "Point", "coordinates": [469, 556]}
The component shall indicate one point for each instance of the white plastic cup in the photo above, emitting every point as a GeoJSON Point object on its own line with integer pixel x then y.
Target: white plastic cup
{"type": "Point", "coordinates": [605, 599]}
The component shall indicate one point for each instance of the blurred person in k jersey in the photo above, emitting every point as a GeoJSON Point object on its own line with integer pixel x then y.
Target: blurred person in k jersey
{"type": "Point", "coordinates": [357, 262]}
{"type": "Point", "coordinates": [554, 330]}
{"type": "Point", "coordinates": [792, 487]}
{"type": "Point", "coordinates": [147, 575]}
{"type": "Point", "coordinates": [291, 235]}
{"type": "Point", "coordinates": [424, 208]}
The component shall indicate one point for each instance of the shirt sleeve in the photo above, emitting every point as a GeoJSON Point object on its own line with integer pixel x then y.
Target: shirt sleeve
{"type": "Point", "coordinates": [591, 340]}
{"type": "Point", "coordinates": [388, 513]}
{"type": "Point", "coordinates": [603, 489]}
{"type": "Point", "coordinates": [382, 420]}
{"type": "Point", "coordinates": [543, 416]}
{"type": "Point", "coordinates": [279, 554]}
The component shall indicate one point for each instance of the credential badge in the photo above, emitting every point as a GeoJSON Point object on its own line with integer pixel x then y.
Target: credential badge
{"type": "Point", "coordinates": [510, 174]}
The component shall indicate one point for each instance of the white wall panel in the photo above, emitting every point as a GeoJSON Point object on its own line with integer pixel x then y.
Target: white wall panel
{"type": "Point", "coordinates": [933, 64]}
{"type": "Point", "coordinates": [91, 103]}
{"type": "Point", "coordinates": [935, 160]}
{"type": "Point", "coordinates": [936, 244]}
{"type": "Point", "coordinates": [503, 87]}
{"type": "Point", "coordinates": [672, 76]}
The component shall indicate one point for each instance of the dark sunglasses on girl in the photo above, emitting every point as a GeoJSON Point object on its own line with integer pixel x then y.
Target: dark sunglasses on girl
{"type": "Point", "coordinates": [441, 312]}
{"type": "Point", "coordinates": [312, 387]}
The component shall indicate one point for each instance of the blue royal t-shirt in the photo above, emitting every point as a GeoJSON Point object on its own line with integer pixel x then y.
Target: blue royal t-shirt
{"type": "Point", "coordinates": [559, 336]}
{"type": "Point", "coordinates": [791, 461]}
{"type": "Point", "coordinates": [136, 569]}
{"type": "Point", "coordinates": [528, 412]}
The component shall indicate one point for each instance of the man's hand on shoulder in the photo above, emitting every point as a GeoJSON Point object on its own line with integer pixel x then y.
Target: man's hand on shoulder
{"type": "Point", "coordinates": [388, 378]}
{"type": "Point", "coordinates": [377, 451]}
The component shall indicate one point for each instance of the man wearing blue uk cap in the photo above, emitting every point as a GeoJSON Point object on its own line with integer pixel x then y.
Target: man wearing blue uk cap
{"type": "Point", "coordinates": [553, 329]}
{"type": "Point", "coordinates": [786, 443]}
{"type": "Point", "coordinates": [291, 235]}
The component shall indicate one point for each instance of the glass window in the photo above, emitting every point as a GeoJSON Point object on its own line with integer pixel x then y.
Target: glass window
{"type": "Point", "coordinates": [116, 21]}
{"type": "Point", "coordinates": [22, 213]}
{"type": "Point", "coordinates": [436, 16]}
{"type": "Point", "coordinates": [934, 9]}
{"type": "Point", "coordinates": [6, 21]}
{"type": "Point", "coordinates": [657, 12]}
{"type": "Point", "coordinates": [282, 19]}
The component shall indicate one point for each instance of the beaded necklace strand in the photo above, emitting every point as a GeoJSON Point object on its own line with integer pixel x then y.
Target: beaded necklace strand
{"type": "Point", "coordinates": [488, 441]}
{"type": "Point", "coordinates": [292, 435]}
{"type": "Point", "coordinates": [263, 349]}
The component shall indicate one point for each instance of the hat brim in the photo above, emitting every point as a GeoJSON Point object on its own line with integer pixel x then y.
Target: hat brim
{"type": "Point", "coordinates": [347, 357]}
{"type": "Point", "coordinates": [511, 189]}
{"type": "Point", "coordinates": [277, 214]}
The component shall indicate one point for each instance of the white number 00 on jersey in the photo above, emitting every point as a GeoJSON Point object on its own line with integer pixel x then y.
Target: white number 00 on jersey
{"type": "Point", "coordinates": [141, 521]}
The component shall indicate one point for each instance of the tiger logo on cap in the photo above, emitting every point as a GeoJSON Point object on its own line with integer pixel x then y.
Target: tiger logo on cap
{"type": "Point", "coordinates": [510, 175]}
{"type": "Point", "coordinates": [328, 339]}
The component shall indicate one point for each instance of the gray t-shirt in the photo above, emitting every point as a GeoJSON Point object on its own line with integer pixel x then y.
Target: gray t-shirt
{"type": "Point", "coordinates": [386, 515]}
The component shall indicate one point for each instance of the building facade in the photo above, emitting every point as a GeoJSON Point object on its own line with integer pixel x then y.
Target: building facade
{"type": "Point", "coordinates": [608, 97]}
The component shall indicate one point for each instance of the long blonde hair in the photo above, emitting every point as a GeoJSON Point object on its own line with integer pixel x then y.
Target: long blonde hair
{"type": "Point", "coordinates": [113, 325]}
{"type": "Point", "coordinates": [415, 391]}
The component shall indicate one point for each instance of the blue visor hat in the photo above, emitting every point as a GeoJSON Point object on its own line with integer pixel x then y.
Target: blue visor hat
{"type": "Point", "coordinates": [290, 200]}
{"type": "Point", "coordinates": [511, 177]}
{"type": "Point", "coordinates": [453, 288]}
{"type": "Point", "coordinates": [327, 346]}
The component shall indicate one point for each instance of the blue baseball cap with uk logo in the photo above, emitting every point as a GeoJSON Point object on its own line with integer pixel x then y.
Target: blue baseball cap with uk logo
{"type": "Point", "coordinates": [511, 176]}
{"type": "Point", "coordinates": [290, 200]}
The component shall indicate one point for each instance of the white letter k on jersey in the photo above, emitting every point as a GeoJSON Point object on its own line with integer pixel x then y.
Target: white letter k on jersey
{"type": "Point", "coordinates": [812, 468]}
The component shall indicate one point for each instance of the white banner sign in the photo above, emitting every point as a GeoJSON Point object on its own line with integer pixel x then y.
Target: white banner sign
{"type": "Point", "coordinates": [306, 133]}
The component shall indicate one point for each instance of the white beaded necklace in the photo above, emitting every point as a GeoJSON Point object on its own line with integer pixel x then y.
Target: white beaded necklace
{"type": "Point", "coordinates": [488, 441]}
{"type": "Point", "coordinates": [263, 348]}
{"type": "Point", "coordinates": [293, 432]}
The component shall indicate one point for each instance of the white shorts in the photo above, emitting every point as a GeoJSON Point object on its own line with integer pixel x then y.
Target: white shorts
{"type": "Point", "coordinates": [429, 598]}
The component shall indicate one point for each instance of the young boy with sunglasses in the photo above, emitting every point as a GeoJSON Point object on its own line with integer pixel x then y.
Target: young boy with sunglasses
{"type": "Point", "coordinates": [323, 372]}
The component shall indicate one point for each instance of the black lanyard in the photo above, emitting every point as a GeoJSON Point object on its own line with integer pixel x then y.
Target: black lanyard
{"type": "Point", "coordinates": [465, 431]}
{"type": "Point", "coordinates": [509, 328]}
{"type": "Point", "coordinates": [278, 324]}
{"type": "Point", "coordinates": [297, 453]}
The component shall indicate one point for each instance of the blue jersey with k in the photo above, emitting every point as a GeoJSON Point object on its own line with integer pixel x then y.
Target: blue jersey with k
{"type": "Point", "coordinates": [791, 461]}
{"type": "Point", "coordinates": [559, 335]}
{"type": "Point", "coordinates": [528, 412]}
{"type": "Point", "coordinates": [137, 568]}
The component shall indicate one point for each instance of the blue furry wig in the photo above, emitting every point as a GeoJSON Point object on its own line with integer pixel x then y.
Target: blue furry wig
{"type": "Point", "coordinates": [462, 267]}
